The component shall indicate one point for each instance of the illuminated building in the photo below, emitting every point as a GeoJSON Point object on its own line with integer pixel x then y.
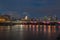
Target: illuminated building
{"type": "Point", "coordinates": [50, 18]}
{"type": "Point", "coordinates": [45, 18]}
{"type": "Point", "coordinates": [26, 17]}
{"type": "Point", "coordinates": [4, 18]}
{"type": "Point", "coordinates": [55, 18]}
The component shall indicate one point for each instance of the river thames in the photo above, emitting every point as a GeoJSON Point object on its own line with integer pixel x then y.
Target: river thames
{"type": "Point", "coordinates": [31, 32]}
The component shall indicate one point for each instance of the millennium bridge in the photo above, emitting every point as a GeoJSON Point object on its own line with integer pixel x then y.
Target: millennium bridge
{"type": "Point", "coordinates": [30, 23]}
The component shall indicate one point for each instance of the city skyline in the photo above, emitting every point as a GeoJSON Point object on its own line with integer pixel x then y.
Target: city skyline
{"type": "Point", "coordinates": [26, 17]}
{"type": "Point", "coordinates": [29, 19]}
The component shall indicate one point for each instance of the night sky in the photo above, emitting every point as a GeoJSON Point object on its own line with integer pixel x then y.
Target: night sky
{"type": "Point", "coordinates": [32, 8]}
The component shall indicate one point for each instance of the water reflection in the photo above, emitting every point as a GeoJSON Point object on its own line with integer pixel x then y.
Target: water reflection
{"type": "Point", "coordinates": [45, 29]}
{"type": "Point", "coordinates": [40, 27]}
{"type": "Point", "coordinates": [45, 32]}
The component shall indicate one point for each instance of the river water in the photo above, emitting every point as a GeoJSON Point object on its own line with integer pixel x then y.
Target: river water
{"type": "Point", "coordinates": [29, 32]}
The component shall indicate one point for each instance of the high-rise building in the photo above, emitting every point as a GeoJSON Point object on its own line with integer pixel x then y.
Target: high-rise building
{"type": "Point", "coordinates": [50, 18]}
{"type": "Point", "coordinates": [45, 18]}
{"type": "Point", "coordinates": [55, 18]}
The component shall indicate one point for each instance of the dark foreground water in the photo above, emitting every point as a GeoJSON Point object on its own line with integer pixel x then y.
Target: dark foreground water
{"type": "Point", "coordinates": [31, 32]}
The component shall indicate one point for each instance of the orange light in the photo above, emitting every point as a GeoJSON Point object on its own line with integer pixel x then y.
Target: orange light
{"type": "Point", "coordinates": [2, 20]}
{"type": "Point", "coordinates": [49, 28]}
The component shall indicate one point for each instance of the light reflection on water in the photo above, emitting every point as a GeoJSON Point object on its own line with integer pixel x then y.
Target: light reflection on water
{"type": "Point", "coordinates": [46, 32]}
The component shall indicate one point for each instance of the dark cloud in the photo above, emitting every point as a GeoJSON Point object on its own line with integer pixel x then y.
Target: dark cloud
{"type": "Point", "coordinates": [34, 7]}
